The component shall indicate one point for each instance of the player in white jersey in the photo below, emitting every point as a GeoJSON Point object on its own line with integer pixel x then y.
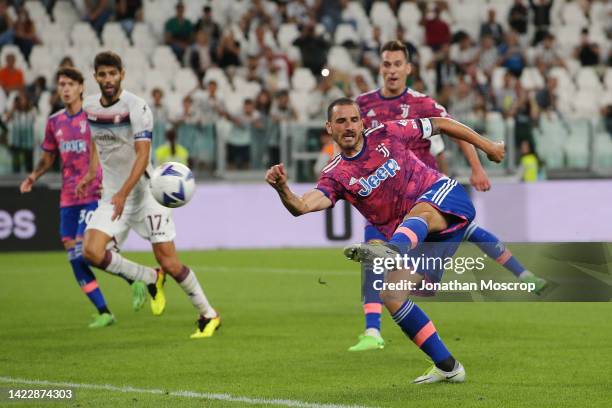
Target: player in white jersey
{"type": "Point", "coordinates": [122, 128]}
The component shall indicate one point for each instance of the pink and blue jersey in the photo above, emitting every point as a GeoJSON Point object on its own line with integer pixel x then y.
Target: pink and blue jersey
{"type": "Point", "coordinates": [385, 179]}
{"type": "Point", "coordinates": [71, 138]}
{"type": "Point", "coordinates": [376, 109]}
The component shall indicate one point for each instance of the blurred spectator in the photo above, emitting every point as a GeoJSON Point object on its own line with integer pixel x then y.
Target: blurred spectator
{"type": "Point", "coordinates": [35, 89]}
{"type": "Point", "coordinates": [199, 54]}
{"type": "Point", "coordinates": [525, 118]}
{"type": "Point", "coordinates": [606, 114]}
{"type": "Point", "coordinates": [330, 14]}
{"type": "Point", "coordinates": [587, 52]}
{"type": "Point", "coordinates": [477, 119]}
{"type": "Point", "coordinates": [209, 103]}
{"type": "Point", "coordinates": [370, 54]}
{"type": "Point", "coordinates": [324, 94]}
{"type": "Point", "coordinates": [529, 163]}
{"type": "Point", "coordinates": [517, 17]}
{"type": "Point", "coordinates": [464, 53]}
{"type": "Point", "coordinates": [359, 85]}
{"type": "Point", "coordinates": [445, 68]}
{"type": "Point", "coordinates": [239, 142]}
{"type": "Point", "coordinates": [488, 55]}
{"type": "Point", "coordinates": [327, 152]}
{"type": "Point", "coordinates": [299, 12]}
{"type": "Point", "coordinates": [419, 85]}
{"type": "Point", "coordinates": [512, 56]}
{"type": "Point", "coordinates": [66, 62]}
{"type": "Point", "coordinates": [161, 117]}
{"type": "Point", "coordinates": [547, 54]}
{"type": "Point", "coordinates": [128, 12]}
{"type": "Point", "coordinates": [171, 151]}
{"type": "Point", "coordinates": [281, 113]}
{"type": "Point", "coordinates": [260, 39]}
{"type": "Point", "coordinates": [463, 100]}
{"type": "Point", "coordinates": [187, 128]}
{"type": "Point", "coordinates": [228, 51]}
{"type": "Point", "coordinates": [20, 120]}
{"type": "Point", "coordinates": [207, 24]}
{"type": "Point", "coordinates": [540, 10]}
{"type": "Point", "coordinates": [25, 33]}
{"type": "Point", "coordinates": [11, 77]}
{"type": "Point", "coordinates": [260, 135]}
{"type": "Point", "coordinates": [492, 28]}
{"type": "Point", "coordinates": [278, 70]}
{"type": "Point", "coordinates": [6, 24]}
{"type": "Point", "coordinates": [98, 12]}
{"type": "Point", "coordinates": [437, 32]}
{"type": "Point", "coordinates": [546, 98]}
{"type": "Point", "coordinates": [313, 49]}
{"type": "Point", "coordinates": [506, 97]}
{"type": "Point", "coordinates": [178, 32]}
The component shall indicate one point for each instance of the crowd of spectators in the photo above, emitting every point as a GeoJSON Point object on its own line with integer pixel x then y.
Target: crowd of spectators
{"type": "Point", "coordinates": [510, 64]}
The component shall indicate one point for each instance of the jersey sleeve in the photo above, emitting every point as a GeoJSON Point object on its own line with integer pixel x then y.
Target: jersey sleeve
{"type": "Point", "coordinates": [141, 119]}
{"type": "Point", "coordinates": [330, 187]}
{"type": "Point", "coordinates": [49, 143]}
{"type": "Point", "coordinates": [429, 108]}
{"type": "Point", "coordinates": [410, 130]}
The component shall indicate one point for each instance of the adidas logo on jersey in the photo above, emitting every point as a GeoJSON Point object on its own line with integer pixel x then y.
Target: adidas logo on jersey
{"type": "Point", "coordinates": [369, 184]}
{"type": "Point", "coordinates": [371, 113]}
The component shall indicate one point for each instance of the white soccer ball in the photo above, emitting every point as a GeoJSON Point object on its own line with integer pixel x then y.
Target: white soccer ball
{"type": "Point", "coordinates": [172, 184]}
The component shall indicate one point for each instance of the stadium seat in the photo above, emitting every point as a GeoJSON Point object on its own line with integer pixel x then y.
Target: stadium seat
{"type": "Point", "coordinates": [382, 16]}
{"type": "Point", "coordinates": [185, 81]}
{"type": "Point", "coordinates": [345, 32]}
{"type": "Point", "coordinates": [587, 79]}
{"type": "Point", "coordinates": [287, 33]}
{"type": "Point", "coordinates": [83, 36]}
{"type": "Point", "coordinates": [498, 77]}
{"type": "Point", "coordinates": [496, 127]}
{"type": "Point", "coordinates": [163, 59]}
{"type": "Point", "coordinates": [113, 37]}
{"type": "Point", "coordinates": [303, 80]}
{"type": "Point", "coordinates": [218, 75]}
{"type": "Point", "coordinates": [65, 14]}
{"type": "Point", "coordinates": [409, 15]}
{"type": "Point", "coordinates": [297, 99]}
{"type": "Point", "coordinates": [340, 59]}
{"type": "Point", "coordinates": [577, 151]}
{"type": "Point", "coordinates": [572, 15]}
{"type": "Point", "coordinates": [531, 79]}
{"type": "Point", "coordinates": [143, 38]}
{"type": "Point", "coordinates": [135, 59]}
{"type": "Point", "coordinates": [584, 104]}
{"type": "Point", "coordinates": [157, 79]}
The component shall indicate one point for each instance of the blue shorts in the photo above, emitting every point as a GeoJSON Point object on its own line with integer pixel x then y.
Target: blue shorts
{"type": "Point", "coordinates": [450, 198]}
{"type": "Point", "coordinates": [74, 219]}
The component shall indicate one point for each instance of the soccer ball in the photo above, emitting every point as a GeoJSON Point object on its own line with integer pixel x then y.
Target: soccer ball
{"type": "Point", "coordinates": [172, 184]}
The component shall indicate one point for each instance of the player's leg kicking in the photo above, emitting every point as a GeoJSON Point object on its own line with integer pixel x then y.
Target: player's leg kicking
{"type": "Point", "coordinates": [444, 210]}
{"type": "Point", "coordinates": [495, 249]}
{"type": "Point", "coordinates": [99, 234]}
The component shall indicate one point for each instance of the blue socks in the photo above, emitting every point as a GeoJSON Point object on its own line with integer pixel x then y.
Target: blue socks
{"type": "Point", "coordinates": [409, 234]}
{"type": "Point", "coordinates": [494, 248]}
{"type": "Point", "coordinates": [86, 278]}
{"type": "Point", "coordinates": [372, 305]}
{"type": "Point", "coordinates": [417, 326]}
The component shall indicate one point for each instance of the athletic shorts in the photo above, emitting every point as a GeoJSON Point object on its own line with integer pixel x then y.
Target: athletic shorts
{"type": "Point", "coordinates": [74, 219]}
{"type": "Point", "coordinates": [150, 220]}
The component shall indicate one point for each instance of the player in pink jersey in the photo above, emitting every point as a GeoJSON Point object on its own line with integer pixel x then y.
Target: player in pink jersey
{"type": "Point", "coordinates": [395, 101]}
{"type": "Point", "coordinates": [403, 198]}
{"type": "Point", "coordinates": [68, 135]}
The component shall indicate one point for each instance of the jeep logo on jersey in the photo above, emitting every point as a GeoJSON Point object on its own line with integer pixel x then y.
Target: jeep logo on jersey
{"type": "Point", "coordinates": [388, 169]}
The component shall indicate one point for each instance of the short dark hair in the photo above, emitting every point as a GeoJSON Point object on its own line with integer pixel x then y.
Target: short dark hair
{"type": "Point", "coordinates": [339, 102]}
{"type": "Point", "coordinates": [71, 73]}
{"type": "Point", "coordinates": [108, 59]}
{"type": "Point", "coordinates": [395, 45]}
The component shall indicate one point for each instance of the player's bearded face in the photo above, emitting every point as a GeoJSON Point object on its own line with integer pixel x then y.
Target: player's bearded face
{"type": "Point", "coordinates": [394, 69]}
{"type": "Point", "coordinates": [109, 80]}
{"type": "Point", "coordinates": [346, 128]}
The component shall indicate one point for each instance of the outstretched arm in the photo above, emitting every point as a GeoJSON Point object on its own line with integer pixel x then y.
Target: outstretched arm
{"type": "Point", "coordinates": [494, 151]}
{"type": "Point", "coordinates": [313, 200]}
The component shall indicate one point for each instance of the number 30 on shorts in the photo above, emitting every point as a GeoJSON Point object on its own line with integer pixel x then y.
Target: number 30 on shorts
{"type": "Point", "coordinates": [85, 216]}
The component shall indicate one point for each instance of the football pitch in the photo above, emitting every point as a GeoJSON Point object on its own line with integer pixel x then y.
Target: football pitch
{"type": "Point", "coordinates": [288, 318]}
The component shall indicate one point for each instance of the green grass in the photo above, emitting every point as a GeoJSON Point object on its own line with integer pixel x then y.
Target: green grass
{"type": "Point", "coordinates": [285, 336]}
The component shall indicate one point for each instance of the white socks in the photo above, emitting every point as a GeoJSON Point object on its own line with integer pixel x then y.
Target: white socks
{"type": "Point", "coordinates": [192, 288]}
{"type": "Point", "coordinates": [131, 270]}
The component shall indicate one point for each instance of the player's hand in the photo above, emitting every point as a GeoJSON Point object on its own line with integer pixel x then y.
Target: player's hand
{"type": "Point", "coordinates": [479, 180]}
{"type": "Point", "coordinates": [118, 202]}
{"type": "Point", "coordinates": [496, 152]}
{"type": "Point", "coordinates": [81, 188]}
{"type": "Point", "coordinates": [276, 176]}
{"type": "Point", "coordinates": [26, 185]}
